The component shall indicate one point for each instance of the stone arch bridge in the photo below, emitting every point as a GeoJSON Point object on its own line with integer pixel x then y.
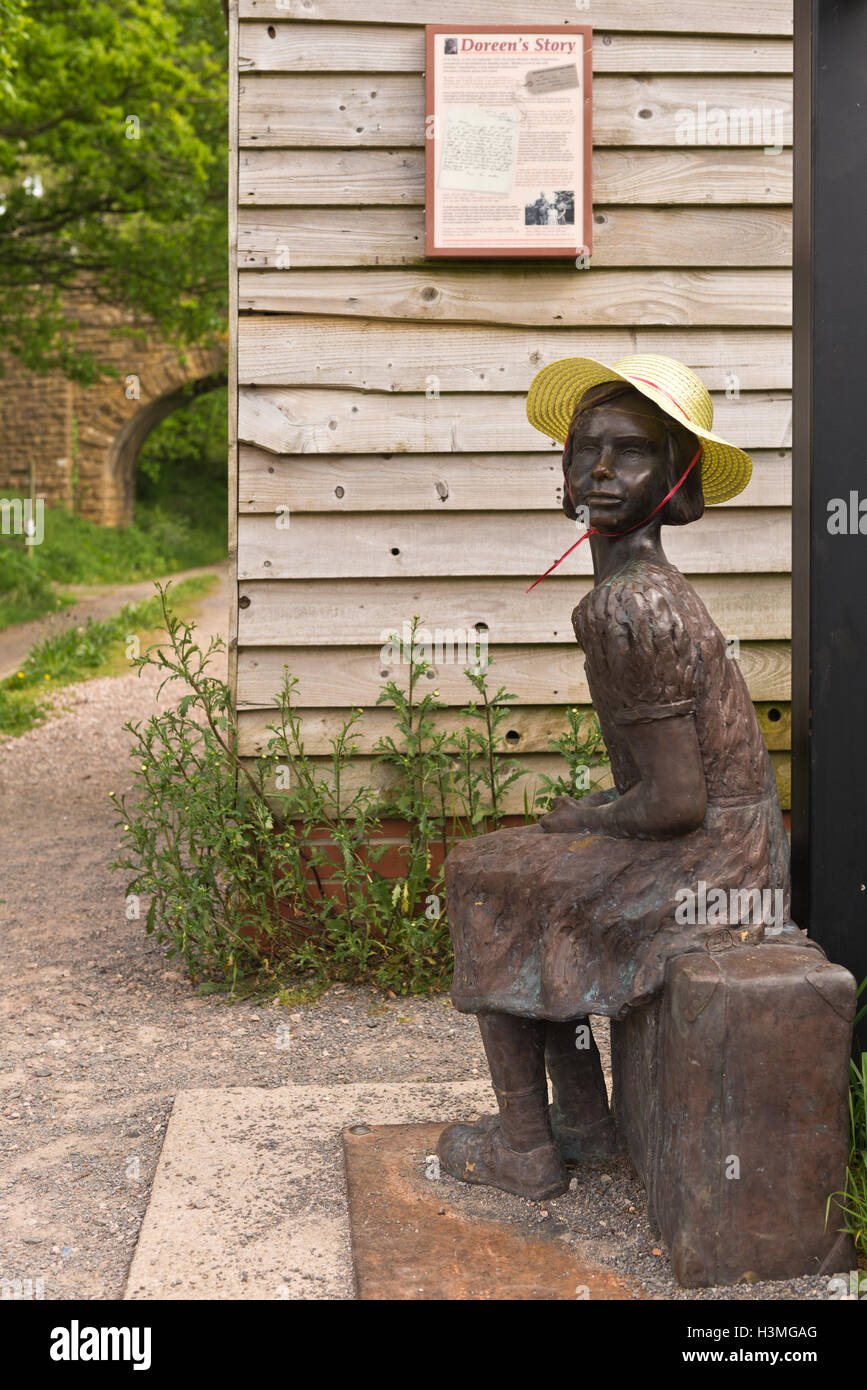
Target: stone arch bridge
{"type": "Point", "coordinates": [78, 443]}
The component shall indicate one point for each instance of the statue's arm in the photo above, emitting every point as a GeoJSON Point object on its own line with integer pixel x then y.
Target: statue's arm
{"type": "Point", "coordinates": [669, 799]}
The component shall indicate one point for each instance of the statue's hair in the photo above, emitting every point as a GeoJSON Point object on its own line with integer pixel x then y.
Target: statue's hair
{"type": "Point", "coordinates": [687, 504]}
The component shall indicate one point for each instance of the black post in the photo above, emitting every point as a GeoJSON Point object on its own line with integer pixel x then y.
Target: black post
{"type": "Point", "coordinates": [829, 533]}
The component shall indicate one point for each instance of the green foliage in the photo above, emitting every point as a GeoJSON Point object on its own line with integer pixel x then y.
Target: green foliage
{"type": "Point", "coordinates": [857, 1182]}
{"type": "Point", "coordinates": [76, 551]}
{"type": "Point", "coordinates": [187, 451]}
{"type": "Point", "coordinates": [582, 747]}
{"type": "Point", "coordinates": [182, 496]}
{"type": "Point", "coordinates": [19, 710]}
{"type": "Point", "coordinates": [483, 778]}
{"type": "Point", "coordinates": [443, 776]}
{"type": "Point", "coordinates": [360, 924]}
{"type": "Point", "coordinates": [112, 168]}
{"type": "Point", "coordinates": [13, 28]}
{"type": "Point", "coordinates": [26, 591]}
{"type": "Point", "coordinates": [271, 871]}
{"type": "Point", "coordinates": [77, 654]}
{"type": "Point", "coordinates": [853, 1201]}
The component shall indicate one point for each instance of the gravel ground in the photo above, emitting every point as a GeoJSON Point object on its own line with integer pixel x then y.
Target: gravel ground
{"type": "Point", "coordinates": [100, 1034]}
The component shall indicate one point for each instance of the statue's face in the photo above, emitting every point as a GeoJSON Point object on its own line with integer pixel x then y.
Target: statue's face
{"type": "Point", "coordinates": [617, 467]}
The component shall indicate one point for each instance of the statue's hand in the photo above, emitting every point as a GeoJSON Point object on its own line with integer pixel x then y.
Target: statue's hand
{"type": "Point", "coordinates": [566, 814]}
{"type": "Point", "coordinates": [601, 798]}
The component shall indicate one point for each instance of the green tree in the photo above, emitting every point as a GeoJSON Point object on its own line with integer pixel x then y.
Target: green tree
{"type": "Point", "coordinates": [113, 145]}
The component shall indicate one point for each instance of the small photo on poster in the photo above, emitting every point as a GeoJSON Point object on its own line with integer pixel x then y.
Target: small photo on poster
{"type": "Point", "coordinates": [552, 208]}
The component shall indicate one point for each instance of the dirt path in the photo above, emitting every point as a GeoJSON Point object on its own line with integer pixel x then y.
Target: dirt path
{"type": "Point", "coordinates": [94, 601]}
{"type": "Point", "coordinates": [100, 1034]}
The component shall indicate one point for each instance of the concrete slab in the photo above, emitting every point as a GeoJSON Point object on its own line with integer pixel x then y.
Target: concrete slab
{"type": "Point", "coordinates": [413, 1238]}
{"type": "Point", "coordinates": [249, 1199]}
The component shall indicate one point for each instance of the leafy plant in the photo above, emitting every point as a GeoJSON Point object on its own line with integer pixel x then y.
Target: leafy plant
{"type": "Point", "coordinates": [449, 784]}
{"type": "Point", "coordinates": [581, 747]}
{"type": "Point", "coordinates": [424, 771]}
{"type": "Point", "coordinates": [264, 869]}
{"type": "Point", "coordinates": [852, 1201]}
{"type": "Point", "coordinates": [484, 777]}
{"type": "Point", "coordinates": [855, 1199]}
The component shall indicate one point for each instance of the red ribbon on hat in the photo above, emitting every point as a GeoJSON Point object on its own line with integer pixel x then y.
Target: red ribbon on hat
{"type": "Point", "coordinates": [612, 535]}
{"type": "Point", "coordinates": [657, 387]}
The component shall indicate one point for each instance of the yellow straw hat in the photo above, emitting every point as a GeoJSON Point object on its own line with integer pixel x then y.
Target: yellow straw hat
{"type": "Point", "coordinates": [557, 389]}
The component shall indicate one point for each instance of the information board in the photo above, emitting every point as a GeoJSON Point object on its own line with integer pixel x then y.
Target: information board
{"type": "Point", "coordinates": [508, 140]}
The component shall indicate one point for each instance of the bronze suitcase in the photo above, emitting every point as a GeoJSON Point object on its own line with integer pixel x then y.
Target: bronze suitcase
{"type": "Point", "coordinates": [730, 1090]}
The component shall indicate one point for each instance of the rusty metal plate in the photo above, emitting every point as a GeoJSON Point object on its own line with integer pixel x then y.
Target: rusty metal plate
{"type": "Point", "coordinates": [411, 1240]}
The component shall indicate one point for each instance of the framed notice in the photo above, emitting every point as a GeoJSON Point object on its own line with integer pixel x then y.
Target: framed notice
{"type": "Point", "coordinates": [508, 147]}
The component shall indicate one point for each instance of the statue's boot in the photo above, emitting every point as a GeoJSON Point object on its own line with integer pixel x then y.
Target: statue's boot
{"type": "Point", "coordinates": [480, 1153]}
{"type": "Point", "coordinates": [513, 1150]}
{"type": "Point", "coordinates": [580, 1119]}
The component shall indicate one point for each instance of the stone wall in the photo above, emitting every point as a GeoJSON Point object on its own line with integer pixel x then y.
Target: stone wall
{"type": "Point", "coordinates": [35, 429]}
{"type": "Point", "coordinates": [82, 441]}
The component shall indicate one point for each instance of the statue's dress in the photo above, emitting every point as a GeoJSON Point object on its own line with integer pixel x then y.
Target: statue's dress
{"type": "Point", "coordinates": [557, 926]}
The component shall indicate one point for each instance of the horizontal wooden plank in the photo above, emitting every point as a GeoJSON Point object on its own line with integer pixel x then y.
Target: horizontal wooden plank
{"type": "Point", "coordinates": [644, 16]}
{"type": "Point", "coordinates": [343, 612]}
{"type": "Point", "coordinates": [530, 728]}
{"type": "Point", "coordinates": [622, 236]}
{"type": "Point", "coordinates": [414, 544]}
{"type": "Point", "coordinates": [552, 675]}
{"type": "Point", "coordinates": [443, 482]}
{"type": "Point", "coordinates": [363, 773]}
{"type": "Point", "coordinates": [308, 420]}
{"type": "Point", "coordinates": [541, 297]}
{"type": "Point", "coordinates": [293, 47]}
{"type": "Point", "coordinates": [279, 350]}
{"type": "Point", "coordinates": [389, 109]}
{"type": "Point", "coordinates": [704, 175]}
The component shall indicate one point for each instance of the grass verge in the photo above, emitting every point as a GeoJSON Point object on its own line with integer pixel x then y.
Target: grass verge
{"type": "Point", "coordinates": [76, 551]}
{"type": "Point", "coordinates": [100, 648]}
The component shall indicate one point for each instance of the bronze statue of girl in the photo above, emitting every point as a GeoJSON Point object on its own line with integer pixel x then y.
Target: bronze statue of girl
{"type": "Point", "coordinates": [576, 915]}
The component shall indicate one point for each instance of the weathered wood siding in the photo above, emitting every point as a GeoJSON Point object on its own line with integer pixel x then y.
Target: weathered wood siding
{"type": "Point", "coordinates": [385, 465]}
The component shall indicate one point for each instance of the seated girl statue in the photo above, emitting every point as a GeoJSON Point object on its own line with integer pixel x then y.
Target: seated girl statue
{"type": "Point", "coordinates": [577, 915]}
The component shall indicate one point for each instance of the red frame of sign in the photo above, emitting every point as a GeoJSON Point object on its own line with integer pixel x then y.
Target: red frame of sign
{"type": "Point", "coordinates": [529, 252]}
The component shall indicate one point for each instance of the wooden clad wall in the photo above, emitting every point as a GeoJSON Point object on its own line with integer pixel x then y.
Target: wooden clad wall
{"type": "Point", "coordinates": [385, 464]}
